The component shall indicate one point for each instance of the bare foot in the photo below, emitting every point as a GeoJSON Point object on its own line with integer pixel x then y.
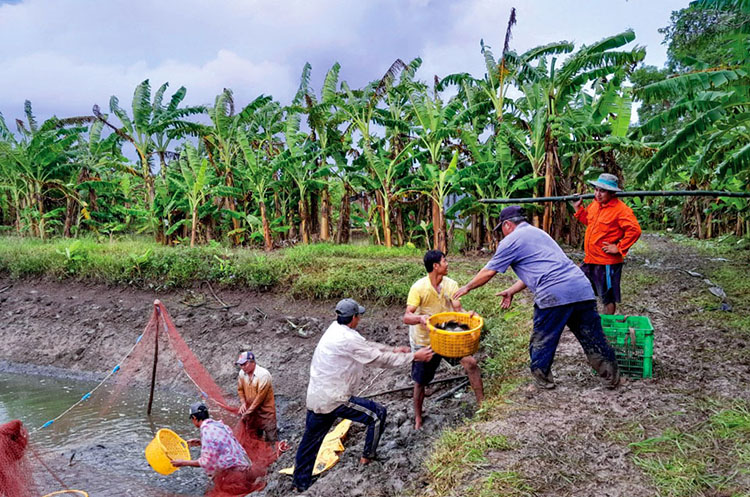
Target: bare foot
{"type": "Point", "coordinates": [418, 423]}
{"type": "Point", "coordinates": [364, 461]}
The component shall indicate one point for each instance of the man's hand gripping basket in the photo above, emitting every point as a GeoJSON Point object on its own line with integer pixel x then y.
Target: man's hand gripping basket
{"type": "Point", "coordinates": [455, 343]}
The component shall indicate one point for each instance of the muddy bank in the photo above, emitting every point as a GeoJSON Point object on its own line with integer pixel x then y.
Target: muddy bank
{"type": "Point", "coordinates": [571, 441]}
{"type": "Point", "coordinates": [67, 329]}
{"type": "Point", "coordinates": [576, 440]}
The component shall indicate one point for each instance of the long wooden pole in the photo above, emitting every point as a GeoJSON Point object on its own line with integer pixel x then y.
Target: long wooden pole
{"type": "Point", "coordinates": [156, 357]}
{"type": "Point", "coordinates": [568, 198]}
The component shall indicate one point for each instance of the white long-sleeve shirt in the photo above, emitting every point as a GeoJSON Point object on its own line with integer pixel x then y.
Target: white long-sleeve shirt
{"type": "Point", "coordinates": [338, 362]}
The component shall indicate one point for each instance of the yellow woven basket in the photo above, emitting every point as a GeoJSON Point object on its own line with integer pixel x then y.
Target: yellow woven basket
{"type": "Point", "coordinates": [164, 448]}
{"type": "Point", "coordinates": [455, 343]}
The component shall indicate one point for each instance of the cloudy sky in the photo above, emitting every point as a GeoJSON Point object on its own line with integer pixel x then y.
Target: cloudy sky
{"type": "Point", "coordinates": [66, 55]}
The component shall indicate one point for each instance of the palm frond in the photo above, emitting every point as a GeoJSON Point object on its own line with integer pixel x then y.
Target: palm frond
{"type": "Point", "coordinates": [304, 84]}
{"type": "Point", "coordinates": [681, 145]}
{"type": "Point", "coordinates": [142, 106]}
{"type": "Point", "coordinates": [331, 81]}
{"type": "Point", "coordinates": [688, 84]}
{"type": "Point", "coordinates": [176, 99]}
{"type": "Point", "coordinates": [555, 48]}
{"type": "Point", "coordinates": [30, 116]}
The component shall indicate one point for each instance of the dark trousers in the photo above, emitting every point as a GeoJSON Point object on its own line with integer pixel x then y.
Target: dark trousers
{"type": "Point", "coordinates": [357, 409]}
{"type": "Point", "coordinates": [585, 323]}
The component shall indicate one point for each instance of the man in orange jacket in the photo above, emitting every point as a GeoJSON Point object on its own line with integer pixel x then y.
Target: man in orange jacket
{"type": "Point", "coordinates": [611, 229]}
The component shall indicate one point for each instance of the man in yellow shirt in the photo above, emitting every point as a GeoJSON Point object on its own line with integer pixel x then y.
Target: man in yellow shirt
{"type": "Point", "coordinates": [428, 296]}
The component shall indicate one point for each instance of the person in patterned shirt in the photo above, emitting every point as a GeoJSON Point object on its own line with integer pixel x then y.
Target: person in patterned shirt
{"type": "Point", "coordinates": [222, 457]}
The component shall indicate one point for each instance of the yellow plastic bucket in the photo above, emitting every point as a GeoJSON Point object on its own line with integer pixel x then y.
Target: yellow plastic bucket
{"type": "Point", "coordinates": [455, 343]}
{"type": "Point", "coordinates": [163, 449]}
{"type": "Point", "coordinates": [78, 493]}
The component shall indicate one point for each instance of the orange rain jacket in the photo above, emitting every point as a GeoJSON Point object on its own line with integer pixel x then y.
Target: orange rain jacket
{"type": "Point", "coordinates": [613, 222]}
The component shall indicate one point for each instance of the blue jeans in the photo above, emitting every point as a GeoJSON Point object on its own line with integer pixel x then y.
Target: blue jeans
{"type": "Point", "coordinates": [585, 323]}
{"type": "Point", "coordinates": [357, 409]}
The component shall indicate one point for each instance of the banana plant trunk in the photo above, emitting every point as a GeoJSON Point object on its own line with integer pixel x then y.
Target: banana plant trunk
{"type": "Point", "coordinates": [268, 241]}
{"type": "Point", "coordinates": [304, 220]}
{"type": "Point", "coordinates": [229, 204]}
{"type": "Point", "coordinates": [399, 220]}
{"type": "Point", "coordinates": [325, 215]}
{"type": "Point", "coordinates": [551, 162]}
{"type": "Point", "coordinates": [69, 215]}
{"type": "Point", "coordinates": [385, 217]}
{"type": "Point", "coordinates": [193, 228]}
{"type": "Point", "coordinates": [40, 208]}
{"type": "Point", "coordinates": [342, 231]}
{"type": "Point", "coordinates": [438, 227]}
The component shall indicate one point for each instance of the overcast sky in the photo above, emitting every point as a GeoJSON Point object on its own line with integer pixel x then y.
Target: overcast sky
{"type": "Point", "coordinates": [66, 55]}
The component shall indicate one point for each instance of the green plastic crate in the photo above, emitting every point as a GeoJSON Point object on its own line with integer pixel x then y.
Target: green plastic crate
{"type": "Point", "coordinates": [632, 337]}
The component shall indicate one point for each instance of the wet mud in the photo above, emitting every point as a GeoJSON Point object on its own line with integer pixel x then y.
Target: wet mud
{"type": "Point", "coordinates": [80, 331]}
{"type": "Point", "coordinates": [564, 440]}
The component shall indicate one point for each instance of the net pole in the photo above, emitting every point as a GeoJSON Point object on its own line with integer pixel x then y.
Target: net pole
{"type": "Point", "coordinates": [586, 196]}
{"type": "Point", "coordinates": [156, 358]}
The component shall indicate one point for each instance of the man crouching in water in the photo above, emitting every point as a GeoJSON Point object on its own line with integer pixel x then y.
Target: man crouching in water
{"type": "Point", "coordinates": [222, 457]}
{"type": "Point", "coordinates": [336, 368]}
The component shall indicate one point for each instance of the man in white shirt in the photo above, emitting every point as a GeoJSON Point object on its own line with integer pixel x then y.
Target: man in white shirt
{"type": "Point", "coordinates": [337, 365]}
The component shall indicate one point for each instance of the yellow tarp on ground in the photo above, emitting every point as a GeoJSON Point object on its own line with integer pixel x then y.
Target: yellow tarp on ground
{"type": "Point", "coordinates": [328, 453]}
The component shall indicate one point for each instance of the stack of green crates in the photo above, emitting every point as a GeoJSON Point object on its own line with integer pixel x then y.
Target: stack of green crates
{"type": "Point", "coordinates": [632, 337]}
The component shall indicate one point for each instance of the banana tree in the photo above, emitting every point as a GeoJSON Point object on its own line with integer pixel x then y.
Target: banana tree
{"type": "Point", "coordinates": [40, 159]}
{"type": "Point", "coordinates": [554, 89]}
{"type": "Point", "coordinates": [434, 124]}
{"type": "Point", "coordinates": [222, 140]}
{"type": "Point", "coordinates": [192, 182]}
{"type": "Point", "coordinates": [152, 126]}
{"type": "Point", "coordinates": [437, 184]}
{"type": "Point", "coordinates": [384, 173]}
{"type": "Point", "coordinates": [324, 118]}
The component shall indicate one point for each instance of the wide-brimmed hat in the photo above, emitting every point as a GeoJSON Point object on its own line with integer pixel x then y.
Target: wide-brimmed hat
{"type": "Point", "coordinates": [607, 182]}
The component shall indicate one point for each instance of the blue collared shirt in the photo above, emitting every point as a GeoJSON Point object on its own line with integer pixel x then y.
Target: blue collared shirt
{"type": "Point", "coordinates": [544, 268]}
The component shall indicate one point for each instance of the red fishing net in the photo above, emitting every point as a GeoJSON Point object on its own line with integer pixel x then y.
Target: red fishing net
{"type": "Point", "coordinates": [16, 479]}
{"type": "Point", "coordinates": [174, 354]}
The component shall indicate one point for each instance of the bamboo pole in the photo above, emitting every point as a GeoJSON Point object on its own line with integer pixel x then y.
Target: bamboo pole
{"type": "Point", "coordinates": [569, 198]}
{"type": "Point", "coordinates": [410, 387]}
{"type": "Point", "coordinates": [156, 357]}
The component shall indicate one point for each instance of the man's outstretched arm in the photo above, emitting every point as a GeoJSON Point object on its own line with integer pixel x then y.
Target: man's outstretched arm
{"type": "Point", "coordinates": [482, 277]}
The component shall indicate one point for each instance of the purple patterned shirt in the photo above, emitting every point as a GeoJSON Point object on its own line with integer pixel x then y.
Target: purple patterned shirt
{"type": "Point", "coordinates": [219, 448]}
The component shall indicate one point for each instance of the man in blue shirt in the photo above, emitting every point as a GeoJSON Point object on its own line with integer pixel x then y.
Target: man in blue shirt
{"type": "Point", "coordinates": [562, 296]}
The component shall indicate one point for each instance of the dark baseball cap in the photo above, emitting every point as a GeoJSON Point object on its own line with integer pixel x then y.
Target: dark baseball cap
{"type": "Point", "coordinates": [197, 408]}
{"type": "Point", "coordinates": [511, 212]}
{"type": "Point", "coordinates": [349, 307]}
{"type": "Point", "coordinates": [245, 357]}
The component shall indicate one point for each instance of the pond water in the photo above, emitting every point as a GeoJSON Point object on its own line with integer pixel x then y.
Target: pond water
{"type": "Point", "coordinates": [96, 448]}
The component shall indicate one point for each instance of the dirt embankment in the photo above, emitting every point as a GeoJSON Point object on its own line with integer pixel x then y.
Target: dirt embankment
{"type": "Point", "coordinates": [73, 329]}
{"type": "Point", "coordinates": [573, 440]}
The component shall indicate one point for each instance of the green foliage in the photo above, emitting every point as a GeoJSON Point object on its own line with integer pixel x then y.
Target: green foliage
{"type": "Point", "coordinates": [399, 158]}
{"type": "Point", "coordinates": [458, 452]}
{"type": "Point", "coordinates": [704, 460]}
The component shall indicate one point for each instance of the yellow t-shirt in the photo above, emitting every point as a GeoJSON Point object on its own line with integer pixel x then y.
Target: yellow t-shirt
{"type": "Point", "coordinates": [423, 296]}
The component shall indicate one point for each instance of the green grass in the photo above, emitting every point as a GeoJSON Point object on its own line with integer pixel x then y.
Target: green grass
{"type": "Point", "coordinates": [313, 271]}
{"type": "Point", "coordinates": [502, 483]}
{"type": "Point", "coordinates": [459, 452]}
{"type": "Point", "coordinates": [707, 459]}
{"type": "Point", "coordinates": [734, 278]}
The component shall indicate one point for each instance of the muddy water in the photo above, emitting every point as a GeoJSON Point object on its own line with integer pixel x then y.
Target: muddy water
{"type": "Point", "coordinates": [93, 448]}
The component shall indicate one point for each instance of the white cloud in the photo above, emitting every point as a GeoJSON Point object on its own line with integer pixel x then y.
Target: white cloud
{"type": "Point", "coordinates": [66, 55]}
